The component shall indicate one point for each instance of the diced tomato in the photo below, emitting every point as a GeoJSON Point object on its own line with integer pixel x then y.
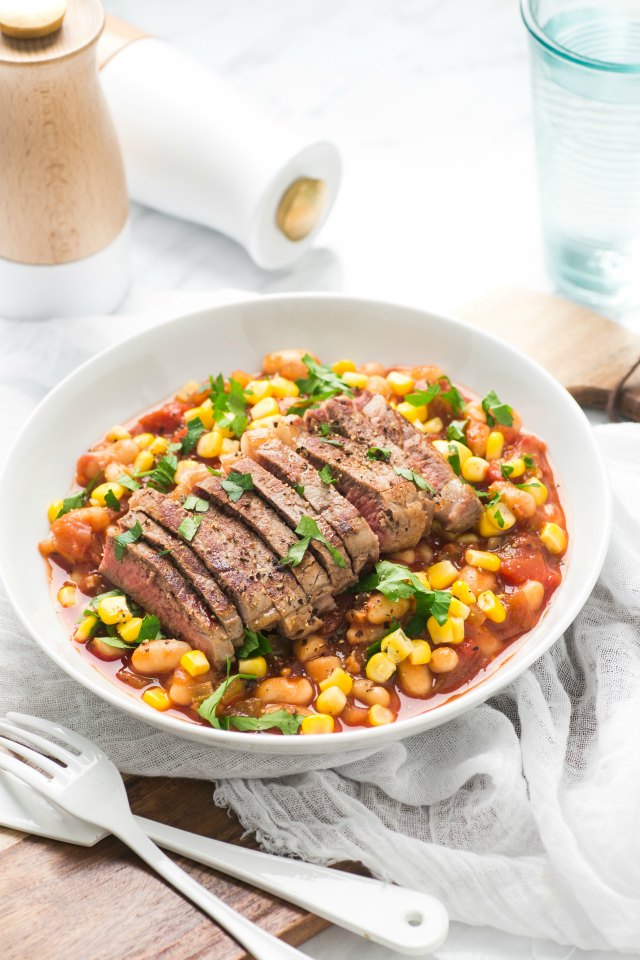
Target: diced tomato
{"type": "Point", "coordinates": [523, 558]}
{"type": "Point", "coordinates": [165, 419]}
{"type": "Point", "coordinates": [78, 536]}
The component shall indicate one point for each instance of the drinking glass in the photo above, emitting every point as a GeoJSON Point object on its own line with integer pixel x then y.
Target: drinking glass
{"type": "Point", "coordinates": [585, 57]}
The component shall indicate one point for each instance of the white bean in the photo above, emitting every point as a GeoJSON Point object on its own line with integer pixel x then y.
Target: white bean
{"type": "Point", "coordinates": [158, 656]}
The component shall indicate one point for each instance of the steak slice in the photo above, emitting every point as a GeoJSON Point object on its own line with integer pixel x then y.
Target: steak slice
{"type": "Point", "coordinates": [191, 568]}
{"type": "Point", "coordinates": [267, 525]}
{"type": "Point", "coordinates": [290, 506]}
{"type": "Point", "coordinates": [265, 594]}
{"type": "Point", "coordinates": [390, 504]}
{"type": "Point", "coordinates": [348, 523]}
{"type": "Point", "coordinates": [156, 585]}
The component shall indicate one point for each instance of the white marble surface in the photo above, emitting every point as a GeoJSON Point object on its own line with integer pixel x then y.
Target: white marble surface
{"type": "Point", "coordinates": [428, 101]}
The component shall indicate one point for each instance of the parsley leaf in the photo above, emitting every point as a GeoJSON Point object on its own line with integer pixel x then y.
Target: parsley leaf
{"type": "Point", "coordinates": [309, 530]}
{"type": "Point", "coordinates": [529, 462]}
{"type": "Point", "coordinates": [196, 503]}
{"type": "Point", "coordinates": [111, 500]}
{"type": "Point", "coordinates": [419, 482]}
{"type": "Point", "coordinates": [189, 527]}
{"type": "Point", "coordinates": [79, 499]}
{"type": "Point", "coordinates": [208, 707]}
{"type": "Point", "coordinates": [288, 723]}
{"type": "Point", "coordinates": [454, 458]}
{"type": "Point", "coordinates": [334, 443]}
{"type": "Point", "coordinates": [195, 429]}
{"type": "Point", "coordinates": [149, 629]}
{"type": "Point", "coordinates": [299, 489]}
{"type": "Point", "coordinates": [454, 398]}
{"type": "Point", "coordinates": [490, 498]}
{"type": "Point", "coordinates": [325, 430]}
{"type": "Point", "coordinates": [116, 642]}
{"type": "Point", "coordinates": [321, 382]}
{"type": "Point", "coordinates": [455, 430]}
{"type": "Point", "coordinates": [397, 582]}
{"type": "Point", "coordinates": [326, 475]}
{"type": "Point", "coordinates": [126, 481]}
{"type": "Point", "coordinates": [379, 453]}
{"type": "Point", "coordinates": [422, 398]}
{"type": "Point", "coordinates": [499, 519]}
{"type": "Point", "coordinates": [122, 541]}
{"type": "Point", "coordinates": [163, 475]}
{"type": "Point", "coordinates": [229, 407]}
{"type": "Point", "coordinates": [255, 644]}
{"type": "Point", "coordinates": [236, 484]}
{"type": "Point", "coordinates": [506, 470]}
{"type": "Point", "coordinates": [374, 648]}
{"type": "Point", "coordinates": [497, 411]}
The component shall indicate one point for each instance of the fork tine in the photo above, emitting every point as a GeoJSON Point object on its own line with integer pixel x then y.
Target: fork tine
{"type": "Point", "coordinates": [45, 763]}
{"type": "Point", "coordinates": [27, 774]}
{"type": "Point", "coordinates": [74, 740]}
{"type": "Point", "coordinates": [41, 743]}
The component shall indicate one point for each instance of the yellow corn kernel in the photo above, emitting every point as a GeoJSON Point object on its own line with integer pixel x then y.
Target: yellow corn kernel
{"type": "Point", "coordinates": [397, 645]}
{"type": "Point", "coordinates": [435, 425]}
{"type": "Point", "coordinates": [457, 626]}
{"type": "Point", "coordinates": [99, 493]}
{"type": "Point", "coordinates": [462, 591]}
{"type": "Point", "coordinates": [317, 723]}
{"type": "Point", "coordinates": [343, 366]}
{"type": "Point", "coordinates": [495, 445]}
{"type": "Point", "coordinates": [424, 579]}
{"type": "Point", "coordinates": [458, 609]}
{"type": "Point", "coordinates": [129, 631]}
{"type": "Point", "coordinates": [266, 423]}
{"type": "Point", "coordinates": [448, 447]}
{"type": "Point", "coordinates": [114, 610]}
{"type": "Point", "coordinates": [514, 468]}
{"type": "Point", "coordinates": [282, 387]}
{"type": "Point", "coordinates": [267, 407]}
{"type": "Point", "coordinates": [411, 413]}
{"type": "Point", "coordinates": [496, 519]}
{"type": "Point", "coordinates": [143, 440]}
{"type": "Point", "coordinates": [331, 701]}
{"type": "Point", "coordinates": [380, 668]}
{"type": "Point", "coordinates": [196, 663]}
{"type": "Point", "coordinates": [85, 628]}
{"type": "Point", "coordinates": [118, 433]}
{"type": "Point", "coordinates": [421, 652]}
{"type": "Point", "coordinates": [554, 538]}
{"type": "Point", "coordinates": [210, 444]}
{"type": "Point", "coordinates": [67, 595]}
{"type": "Point", "coordinates": [400, 383]}
{"type": "Point", "coordinates": [54, 509]}
{"type": "Point", "coordinates": [256, 666]}
{"type": "Point", "coordinates": [441, 575]}
{"type": "Point", "coordinates": [440, 633]}
{"type": "Point", "coordinates": [143, 462]}
{"type": "Point", "coordinates": [229, 446]}
{"type": "Point", "coordinates": [338, 678]}
{"type": "Point", "coordinates": [257, 390]}
{"type": "Point", "coordinates": [203, 413]}
{"type": "Point", "coordinates": [187, 390]}
{"type": "Point", "coordinates": [158, 446]}
{"type": "Point", "coordinates": [474, 469]}
{"type": "Point", "coordinates": [482, 559]}
{"type": "Point", "coordinates": [537, 489]}
{"type": "Point", "coordinates": [492, 608]}
{"type": "Point", "coordinates": [358, 380]}
{"type": "Point", "coordinates": [157, 698]}
{"type": "Point", "coordinates": [379, 715]}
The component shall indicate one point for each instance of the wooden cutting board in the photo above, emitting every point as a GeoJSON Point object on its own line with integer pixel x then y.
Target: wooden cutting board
{"type": "Point", "coordinates": [61, 902]}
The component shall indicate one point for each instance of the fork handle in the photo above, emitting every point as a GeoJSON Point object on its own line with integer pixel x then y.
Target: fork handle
{"type": "Point", "coordinates": [258, 942]}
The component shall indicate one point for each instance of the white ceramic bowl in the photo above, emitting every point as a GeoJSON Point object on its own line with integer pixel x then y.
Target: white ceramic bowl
{"type": "Point", "coordinates": [143, 370]}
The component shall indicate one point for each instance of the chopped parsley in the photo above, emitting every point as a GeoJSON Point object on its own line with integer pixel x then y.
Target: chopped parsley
{"type": "Point", "coordinates": [499, 519]}
{"type": "Point", "coordinates": [128, 482]}
{"type": "Point", "coordinates": [255, 644]}
{"type": "Point", "coordinates": [299, 489]}
{"type": "Point", "coordinates": [117, 642]}
{"type": "Point", "coordinates": [236, 484]}
{"type": "Point", "coordinates": [309, 530]}
{"type": "Point", "coordinates": [529, 462]}
{"type": "Point", "coordinates": [506, 470]}
{"type": "Point", "coordinates": [379, 453]}
{"type": "Point", "coordinates": [163, 475]}
{"type": "Point", "coordinates": [196, 504]}
{"type": "Point", "coordinates": [455, 430]}
{"type": "Point", "coordinates": [111, 500]}
{"type": "Point", "coordinates": [330, 440]}
{"type": "Point", "coordinates": [489, 498]}
{"type": "Point", "coordinates": [208, 707]}
{"type": "Point", "coordinates": [122, 541]}
{"type": "Point", "coordinates": [454, 398]}
{"type": "Point", "coordinates": [422, 398]}
{"type": "Point", "coordinates": [320, 383]}
{"type": "Point", "coordinates": [287, 723]}
{"type": "Point", "coordinates": [397, 582]}
{"type": "Point", "coordinates": [326, 475]}
{"type": "Point", "coordinates": [79, 499]}
{"type": "Point", "coordinates": [454, 458]}
{"type": "Point", "coordinates": [325, 430]}
{"type": "Point", "coordinates": [229, 407]}
{"type": "Point", "coordinates": [149, 629]}
{"type": "Point", "coordinates": [496, 411]}
{"type": "Point", "coordinates": [419, 482]}
{"type": "Point", "coordinates": [189, 527]}
{"type": "Point", "coordinates": [195, 429]}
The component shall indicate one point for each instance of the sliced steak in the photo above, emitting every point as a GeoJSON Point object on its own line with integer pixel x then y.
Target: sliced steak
{"type": "Point", "coordinates": [156, 585]}
{"type": "Point", "coordinates": [390, 504]}
{"type": "Point", "coordinates": [290, 506]}
{"type": "Point", "coordinates": [191, 568]}
{"type": "Point", "coordinates": [264, 522]}
{"type": "Point", "coordinates": [265, 594]}
{"type": "Point", "coordinates": [348, 523]}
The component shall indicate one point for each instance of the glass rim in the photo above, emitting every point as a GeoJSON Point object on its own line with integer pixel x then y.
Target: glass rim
{"type": "Point", "coordinates": [538, 33]}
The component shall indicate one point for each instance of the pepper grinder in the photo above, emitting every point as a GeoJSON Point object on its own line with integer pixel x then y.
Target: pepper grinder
{"type": "Point", "coordinates": [63, 195]}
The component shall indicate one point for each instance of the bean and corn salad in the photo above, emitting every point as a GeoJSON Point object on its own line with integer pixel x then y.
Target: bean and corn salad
{"type": "Point", "coordinates": [422, 626]}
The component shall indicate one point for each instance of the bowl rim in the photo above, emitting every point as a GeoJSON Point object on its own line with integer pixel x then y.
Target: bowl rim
{"type": "Point", "coordinates": [353, 738]}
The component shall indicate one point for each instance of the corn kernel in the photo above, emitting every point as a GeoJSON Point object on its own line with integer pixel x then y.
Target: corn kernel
{"type": "Point", "coordinates": [229, 446]}
{"type": "Point", "coordinates": [267, 407]}
{"type": "Point", "coordinates": [537, 489]}
{"type": "Point", "coordinates": [514, 468]}
{"type": "Point", "coordinates": [492, 608]}
{"type": "Point", "coordinates": [338, 678]}
{"type": "Point", "coordinates": [483, 560]}
{"type": "Point", "coordinates": [357, 380]}
{"type": "Point", "coordinates": [379, 715]}
{"type": "Point", "coordinates": [129, 631]}
{"type": "Point", "coordinates": [400, 383]}
{"type": "Point", "coordinates": [143, 462]}
{"type": "Point", "coordinates": [317, 723]}
{"type": "Point", "coordinates": [424, 579]}
{"type": "Point", "coordinates": [495, 445]}
{"type": "Point", "coordinates": [266, 423]}
{"type": "Point", "coordinates": [158, 446]}
{"type": "Point", "coordinates": [397, 645]}
{"type": "Point", "coordinates": [118, 433]}
{"type": "Point", "coordinates": [343, 366]}
{"type": "Point", "coordinates": [458, 609]}
{"type": "Point", "coordinates": [474, 469]}
{"type": "Point", "coordinates": [85, 628]}
{"type": "Point", "coordinates": [411, 413]}
{"type": "Point", "coordinates": [499, 519]}
{"type": "Point", "coordinates": [210, 444]}
{"type": "Point", "coordinates": [99, 493]}
{"type": "Point", "coordinates": [457, 627]}
{"type": "Point", "coordinates": [331, 701]}
{"type": "Point", "coordinates": [554, 538]}
{"type": "Point", "coordinates": [257, 390]}
{"type": "Point", "coordinates": [380, 668]}
{"type": "Point", "coordinates": [196, 663]}
{"type": "Point", "coordinates": [256, 666]}
{"type": "Point", "coordinates": [440, 633]}
{"type": "Point", "coordinates": [114, 610]}
{"type": "Point", "coordinates": [462, 591]}
{"type": "Point", "coordinates": [281, 387]}
{"type": "Point", "coordinates": [203, 413]}
{"type": "Point", "coordinates": [441, 575]}
{"type": "Point", "coordinates": [67, 595]}
{"type": "Point", "coordinates": [421, 652]}
{"type": "Point", "coordinates": [54, 509]}
{"type": "Point", "coordinates": [435, 425]}
{"type": "Point", "coordinates": [157, 698]}
{"type": "Point", "coordinates": [143, 440]}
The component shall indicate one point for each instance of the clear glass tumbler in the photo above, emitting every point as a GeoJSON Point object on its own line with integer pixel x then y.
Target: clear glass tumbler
{"type": "Point", "coordinates": [586, 88]}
